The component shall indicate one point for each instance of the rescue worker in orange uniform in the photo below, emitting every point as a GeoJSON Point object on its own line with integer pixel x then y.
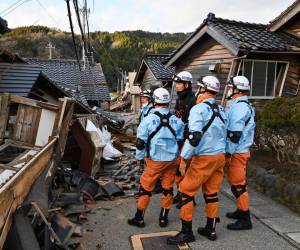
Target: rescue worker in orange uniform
{"type": "Point", "coordinates": [157, 138]}
{"type": "Point", "coordinates": [240, 137]}
{"type": "Point", "coordinates": [186, 100]}
{"type": "Point", "coordinates": [205, 147]}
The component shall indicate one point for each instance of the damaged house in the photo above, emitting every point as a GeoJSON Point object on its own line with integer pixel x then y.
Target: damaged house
{"type": "Point", "coordinates": [153, 73]}
{"type": "Point", "coordinates": [268, 55]}
{"type": "Point", "coordinates": [22, 79]}
{"type": "Point", "coordinates": [89, 82]}
{"type": "Point", "coordinates": [32, 137]}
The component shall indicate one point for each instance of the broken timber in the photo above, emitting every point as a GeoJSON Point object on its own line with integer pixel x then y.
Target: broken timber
{"type": "Point", "coordinates": [31, 130]}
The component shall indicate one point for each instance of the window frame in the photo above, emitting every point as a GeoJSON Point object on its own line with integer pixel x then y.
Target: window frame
{"type": "Point", "coordinates": [277, 84]}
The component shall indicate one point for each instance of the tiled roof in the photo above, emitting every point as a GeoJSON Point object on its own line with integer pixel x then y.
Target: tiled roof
{"type": "Point", "coordinates": [286, 11]}
{"type": "Point", "coordinates": [251, 36]}
{"type": "Point", "coordinates": [242, 36]}
{"type": "Point", "coordinates": [18, 78]}
{"type": "Point", "coordinates": [156, 64]}
{"type": "Point", "coordinates": [90, 82]}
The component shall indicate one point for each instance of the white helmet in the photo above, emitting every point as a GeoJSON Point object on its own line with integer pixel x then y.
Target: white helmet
{"type": "Point", "coordinates": [146, 93]}
{"type": "Point", "coordinates": [183, 76]}
{"type": "Point", "coordinates": [241, 83]}
{"type": "Point", "coordinates": [161, 96]}
{"type": "Point", "coordinates": [210, 83]}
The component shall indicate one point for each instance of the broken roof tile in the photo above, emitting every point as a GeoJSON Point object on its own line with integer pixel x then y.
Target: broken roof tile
{"type": "Point", "coordinates": [91, 82]}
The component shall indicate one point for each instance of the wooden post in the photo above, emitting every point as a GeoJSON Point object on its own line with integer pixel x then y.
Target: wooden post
{"type": "Point", "coordinates": [4, 110]}
{"type": "Point", "coordinates": [234, 64]}
{"type": "Point", "coordinates": [39, 211]}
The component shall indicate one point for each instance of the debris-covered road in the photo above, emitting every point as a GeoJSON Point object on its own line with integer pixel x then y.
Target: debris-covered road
{"type": "Point", "coordinates": [107, 226]}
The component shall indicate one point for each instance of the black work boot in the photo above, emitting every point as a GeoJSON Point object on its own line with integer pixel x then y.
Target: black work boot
{"type": "Point", "coordinates": [209, 231]}
{"type": "Point", "coordinates": [234, 215]}
{"type": "Point", "coordinates": [163, 217]}
{"type": "Point", "coordinates": [176, 198]}
{"type": "Point", "coordinates": [243, 223]}
{"type": "Point", "coordinates": [138, 219]}
{"type": "Point", "coordinates": [184, 236]}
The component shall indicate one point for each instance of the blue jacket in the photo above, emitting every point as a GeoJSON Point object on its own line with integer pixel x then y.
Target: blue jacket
{"type": "Point", "coordinates": [163, 146]}
{"type": "Point", "coordinates": [146, 110]}
{"type": "Point", "coordinates": [214, 139]}
{"type": "Point", "coordinates": [238, 114]}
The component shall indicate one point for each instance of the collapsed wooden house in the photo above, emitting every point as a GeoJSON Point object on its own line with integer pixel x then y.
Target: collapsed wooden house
{"type": "Point", "coordinates": [32, 137]}
{"type": "Point", "coordinates": [268, 56]}
{"type": "Point", "coordinates": [22, 79]}
{"type": "Point", "coordinates": [87, 85]}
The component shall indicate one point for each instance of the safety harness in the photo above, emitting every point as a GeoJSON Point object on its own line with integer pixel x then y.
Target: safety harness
{"type": "Point", "coordinates": [216, 113]}
{"type": "Point", "coordinates": [249, 105]}
{"type": "Point", "coordinates": [185, 199]}
{"type": "Point", "coordinates": [164, 122]}
{"type": "Point", "coordinates": [146, 114]}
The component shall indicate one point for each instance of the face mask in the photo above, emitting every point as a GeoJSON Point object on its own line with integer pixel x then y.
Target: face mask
{"type": "Point", "coordinates": [144, 105]}
{"type": "Point", "coordinates": [229, 94]}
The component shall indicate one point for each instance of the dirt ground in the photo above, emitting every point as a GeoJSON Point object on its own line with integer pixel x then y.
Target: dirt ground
{"type": "Point", "coordinates": [268, 161]}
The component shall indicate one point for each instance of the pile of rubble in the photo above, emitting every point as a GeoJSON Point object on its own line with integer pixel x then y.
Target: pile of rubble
{"type": "Point", "coordinates": [75, 193]}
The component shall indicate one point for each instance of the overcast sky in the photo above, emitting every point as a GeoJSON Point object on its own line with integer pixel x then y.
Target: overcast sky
{"type": "Point", "coordinates": [149, 15]}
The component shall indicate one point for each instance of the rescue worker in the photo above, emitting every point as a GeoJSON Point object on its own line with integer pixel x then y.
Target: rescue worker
{"type": "Point", "coordinates": [240, 135]}
{"type": "Point", "coordinates": [157, 138]}
{"type": "Point", "coordinates": [186, 100]}
{"type": "Point", "coordinates": [147, 103]}
{"type": "Point", "coordinates": [205, 147]}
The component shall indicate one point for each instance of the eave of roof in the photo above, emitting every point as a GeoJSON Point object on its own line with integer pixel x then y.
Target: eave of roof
{"type": "Point", "coordinates": [150, 61]}
{"type": "Point", "coordinates": [284, 16]}
{"type": "Point", "coordinates": [239, 37]}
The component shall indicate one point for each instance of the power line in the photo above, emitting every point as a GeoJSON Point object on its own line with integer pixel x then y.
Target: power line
{"type": "Point", "coordinates": [47, 12]}
{"type": "Point", "coordinates": [15, 8]}
{"type": "Point", "coordinates": [75, 3]}
{"type": "Point", "coordinates": [9, 7]}
{"type": "Point", "coordinates": [72, 31]}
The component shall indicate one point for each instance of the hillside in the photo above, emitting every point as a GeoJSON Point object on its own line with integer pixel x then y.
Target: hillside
{"type": "Point", "coordinates": [114, 50]}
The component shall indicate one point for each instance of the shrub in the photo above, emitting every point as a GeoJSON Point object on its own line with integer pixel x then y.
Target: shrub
{"type": "Point", "coordinates": [278, 126]}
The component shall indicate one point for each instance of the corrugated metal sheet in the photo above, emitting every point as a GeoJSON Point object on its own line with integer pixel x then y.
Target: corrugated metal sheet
{"type": "Point", "coordinates": [18, 78]}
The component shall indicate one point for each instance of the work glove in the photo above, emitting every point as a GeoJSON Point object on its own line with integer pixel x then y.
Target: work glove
{"type": "Point", "coordinates": [182, 166]}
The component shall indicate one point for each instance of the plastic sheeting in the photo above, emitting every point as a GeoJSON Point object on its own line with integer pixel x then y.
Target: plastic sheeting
{"type": "Point", "coordinates": [109, 152]}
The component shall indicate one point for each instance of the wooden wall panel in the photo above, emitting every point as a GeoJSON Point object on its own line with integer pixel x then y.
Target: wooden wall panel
{"type": "Point", "coordinates": [203, 54]}
{"type": "Point", "coordinates": [149, 81]}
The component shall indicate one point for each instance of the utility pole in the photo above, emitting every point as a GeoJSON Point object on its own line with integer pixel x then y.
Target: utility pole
{"type": "Point", "coordinates": [85, 11]}
{"type": "Point", "coordinates": [50, 47]}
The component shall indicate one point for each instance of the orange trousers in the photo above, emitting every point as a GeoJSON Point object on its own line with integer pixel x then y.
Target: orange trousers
{"type": "Point", "coordinates": [206, 171]}
{"type": "Point", "coordinates": [179, 178]}
{"type": "Point", "coordinates": [237, 179]}
{"type": "Point", "coordinates": [152, 172]}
